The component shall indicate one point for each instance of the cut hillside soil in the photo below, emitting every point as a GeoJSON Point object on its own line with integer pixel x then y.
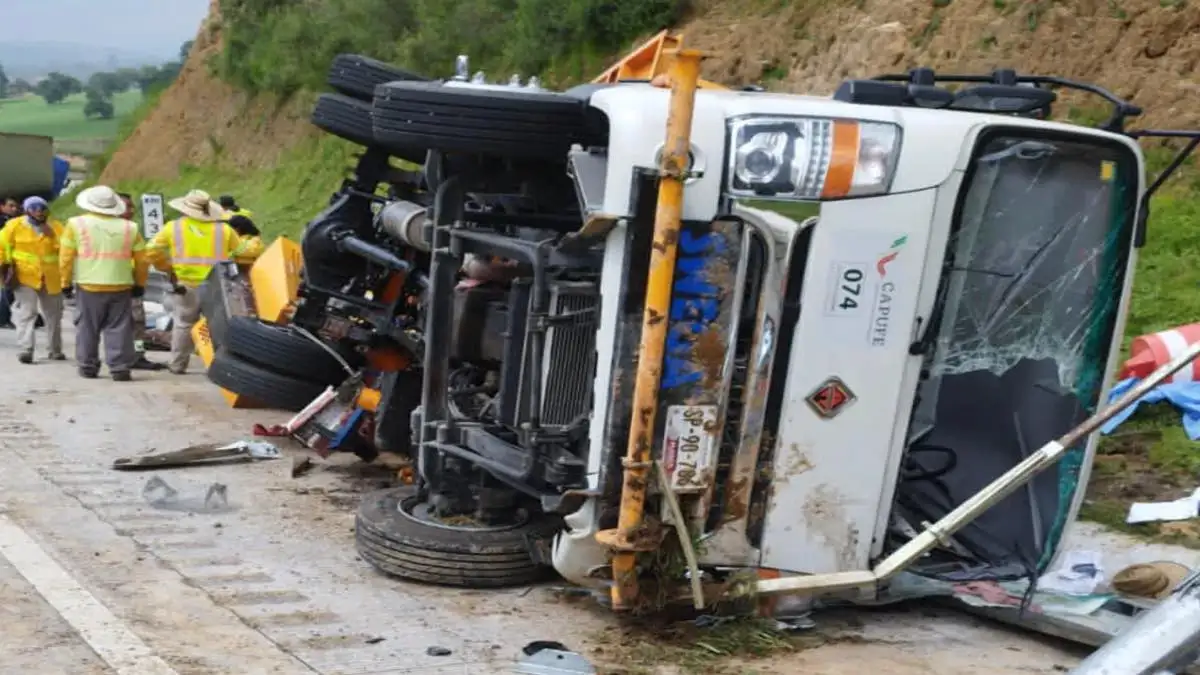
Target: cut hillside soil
{"type": "Point", "coordinates": [1144, 50]}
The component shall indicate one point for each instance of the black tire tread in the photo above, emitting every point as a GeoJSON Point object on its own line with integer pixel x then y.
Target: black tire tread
{"type": "Point", "coordinates": [517, 123]}
{"type": "Point", "coordinates": [345, 117]}
{"type": "Point", "coordinates": [284, 351]}
{"type": "Point", "coordinates": [260, 384]}
{"type": "Point", "coordinates": [357, 76]}
{"type": "Point", "coordinates": [404, 548]}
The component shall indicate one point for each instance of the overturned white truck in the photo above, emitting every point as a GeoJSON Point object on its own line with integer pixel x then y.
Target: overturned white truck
{"type": "Point", "coordinates": [785, 338]}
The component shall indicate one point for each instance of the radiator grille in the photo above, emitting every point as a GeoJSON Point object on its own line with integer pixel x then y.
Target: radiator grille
{"type": "Point", "coordinates": [731, 429]}
{"type": "Point", "coordinates": [569, 363]}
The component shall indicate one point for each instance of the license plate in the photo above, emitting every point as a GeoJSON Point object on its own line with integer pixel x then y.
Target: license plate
{"type": "Point", "coordinates": [689, 446]}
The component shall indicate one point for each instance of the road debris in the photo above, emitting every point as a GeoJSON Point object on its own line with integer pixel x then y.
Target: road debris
{"type": "Point", "coordinates": [1179, 509]}
{"type": "Point", "coordinates": [1079, 573]}
{"type": "Point", "coordinates": [200, 454]}
{"type": "Point", "coordinates": [1153, 580]}
{"type": "Point", "coordinates": [438, 651]}
{"type": "Point", "coordinates": [301, 466]}
{"type": "Point", "coordinates": [552, 658]}
{"type": "Point", "coordinates": [161, 495]}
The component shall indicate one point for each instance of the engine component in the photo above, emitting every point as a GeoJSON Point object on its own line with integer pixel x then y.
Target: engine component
{"type": "Point", "coordinates": [566, 363]}
{"type": "Point", "coordinates": [569, 362]}
{"type": "Point", "coordinates": [406, 221]}
{"type": "Point", "coordinates": [480, 318]}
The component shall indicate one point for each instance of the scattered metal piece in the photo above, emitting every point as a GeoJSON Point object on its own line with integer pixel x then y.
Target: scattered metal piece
{"type": "Point", "coordinates": [794, 624]}
{"type": "Point", "coordinates": [374, 640]}
{"type": "Point", "coordinates": [161, 495]}
{"type": "Point", "coordinates": [438, 651]}
{"type": "Point", "coordinates": [552, 658]}
{"type": "Point", "coordinates": [199, 454]}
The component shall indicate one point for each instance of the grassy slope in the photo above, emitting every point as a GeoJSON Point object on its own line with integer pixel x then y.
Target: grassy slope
{"type": "Point", "coordinates": [1150, 458]}
{"type": "Point", "coordinates": [63, 121]}
{"type": "Point", "coordinates": [283, 198]}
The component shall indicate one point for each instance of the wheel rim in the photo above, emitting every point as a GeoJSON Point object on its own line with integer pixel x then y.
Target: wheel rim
{"type": "Point", "coordinates": [422, 512]}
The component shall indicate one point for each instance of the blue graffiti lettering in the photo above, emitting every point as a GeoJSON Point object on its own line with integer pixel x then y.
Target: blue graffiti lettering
{"type": "Point", "coordinates": [690, 279]}
{"type": "Point", "coordinates": [695, 305]}
{"type": "Point", "coordinates": [703, 310]}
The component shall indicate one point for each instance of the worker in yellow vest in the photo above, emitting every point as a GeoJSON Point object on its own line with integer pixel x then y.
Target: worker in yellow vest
{"type": "Point", "coordinates": [231, 207]}
{"type": "Point", "coordinates": [104, 255]}
{"type": "Point", "coordinates": [252, 243]}
{"type": "Point", "coordinates": [187, 248]}
{"type": "Point", "coordinates": [29, 262]}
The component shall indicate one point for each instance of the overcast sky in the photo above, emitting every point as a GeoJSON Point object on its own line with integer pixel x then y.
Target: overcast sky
{"type": "Point", "coordinates": [139, 26]}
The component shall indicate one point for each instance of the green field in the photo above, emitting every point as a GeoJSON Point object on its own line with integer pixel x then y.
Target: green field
{"type": "Point", "coordinates": [63, 121]}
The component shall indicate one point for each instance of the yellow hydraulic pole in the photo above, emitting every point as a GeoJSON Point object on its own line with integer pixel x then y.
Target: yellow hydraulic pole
{"type": "Point", "coordinates": [673, 167]}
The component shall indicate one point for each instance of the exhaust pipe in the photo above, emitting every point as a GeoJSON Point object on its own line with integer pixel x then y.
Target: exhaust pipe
{"type": "Point", "coordinates": [406, 221]}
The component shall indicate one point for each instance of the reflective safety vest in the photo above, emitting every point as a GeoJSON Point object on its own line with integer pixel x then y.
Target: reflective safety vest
{"type": "Point", "coordinates": [105, 248]}
{"type": "Point", "coordinates": [33, 252]}
{"type": "Point", "coordinates": [249, 250]}
{"type": "Point", "coordinates": [196, 246]}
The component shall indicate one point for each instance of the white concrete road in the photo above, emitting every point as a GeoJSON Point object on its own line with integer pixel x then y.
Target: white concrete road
{"type": "Point", "coordinates": [94, 580]}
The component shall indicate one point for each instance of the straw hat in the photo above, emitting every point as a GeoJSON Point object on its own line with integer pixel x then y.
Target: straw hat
{"type": "Point", "coordinates": [102, 200]}
{"type": "Point", "coordinates": [1153, 580]}
{"type": "Point", "coordinates": [197, 204]}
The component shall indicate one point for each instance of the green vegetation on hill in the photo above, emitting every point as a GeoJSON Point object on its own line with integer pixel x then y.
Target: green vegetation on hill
{"type": "Point", "coordinates": [64, 121]}
{"type": "Point", "coordinates": [283, 198]}
{"type": "Point", "coordinates": [281, 47]}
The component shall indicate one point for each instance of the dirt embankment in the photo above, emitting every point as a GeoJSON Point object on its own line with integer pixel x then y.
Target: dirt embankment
{"type": "Point", "coordinates": [1146, 50]}
{"type": "Point", "coordinates": [199, 119]}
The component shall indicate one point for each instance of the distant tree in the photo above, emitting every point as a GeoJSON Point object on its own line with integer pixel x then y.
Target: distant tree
{"type": "Point", "coordinates": [126, 77]}
{"type": "Point", "coordinates": [184, 50]}
{"type": "Point", "coordinates": [56, 87]}
{"type": "Point", "coordinates": [98, 106]}
{"type": "Point", "coordinates": [105, 83]}
{"type": "Point", "coordinates": [4, 83]}
{"type": "Point", "coordinates": [147, 77]}
{"type": "Point", "coordinates": [151, 78]}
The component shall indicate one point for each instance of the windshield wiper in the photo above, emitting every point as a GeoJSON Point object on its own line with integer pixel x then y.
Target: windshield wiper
{"type": "Point", "coordinates": [1028, 150]}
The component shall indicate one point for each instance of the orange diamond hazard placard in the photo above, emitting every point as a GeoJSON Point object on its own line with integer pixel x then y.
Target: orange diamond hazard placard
{"type": "Point", "coordinates": [830, 398]}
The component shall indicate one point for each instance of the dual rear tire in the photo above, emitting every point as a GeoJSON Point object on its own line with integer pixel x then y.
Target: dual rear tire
{"type": "Point", "coordinates": [277, 366]}
{"type": "Point", "coordinates": [379, 105]}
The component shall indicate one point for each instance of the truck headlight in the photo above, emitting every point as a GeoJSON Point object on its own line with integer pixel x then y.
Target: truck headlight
{"type": "Point", "coordinates": [810, 158]}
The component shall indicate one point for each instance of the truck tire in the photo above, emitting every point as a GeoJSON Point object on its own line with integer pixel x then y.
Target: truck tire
{"type": "Point", "coordinates": [517, 123]}
{"type": "Point", "coordinates": [344, 117]}
{"type": "Point", "coordinates": [284, 350]}
{"type": "Point", "coordinates": [357, 76]}
{"type": "Point", "coordinates": [260, 384]}
{"type": "Point", "coordinates": [394, 541]}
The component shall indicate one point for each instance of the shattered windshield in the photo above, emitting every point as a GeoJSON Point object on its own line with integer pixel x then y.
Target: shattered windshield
{"type": "Point", "coordinates": [1027, 309]}
{"type": "Point", "coordinates": [1038, 260]}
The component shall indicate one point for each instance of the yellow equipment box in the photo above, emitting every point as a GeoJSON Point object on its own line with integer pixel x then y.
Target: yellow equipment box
{"type": "Point", "coordinates": [275, 280]}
